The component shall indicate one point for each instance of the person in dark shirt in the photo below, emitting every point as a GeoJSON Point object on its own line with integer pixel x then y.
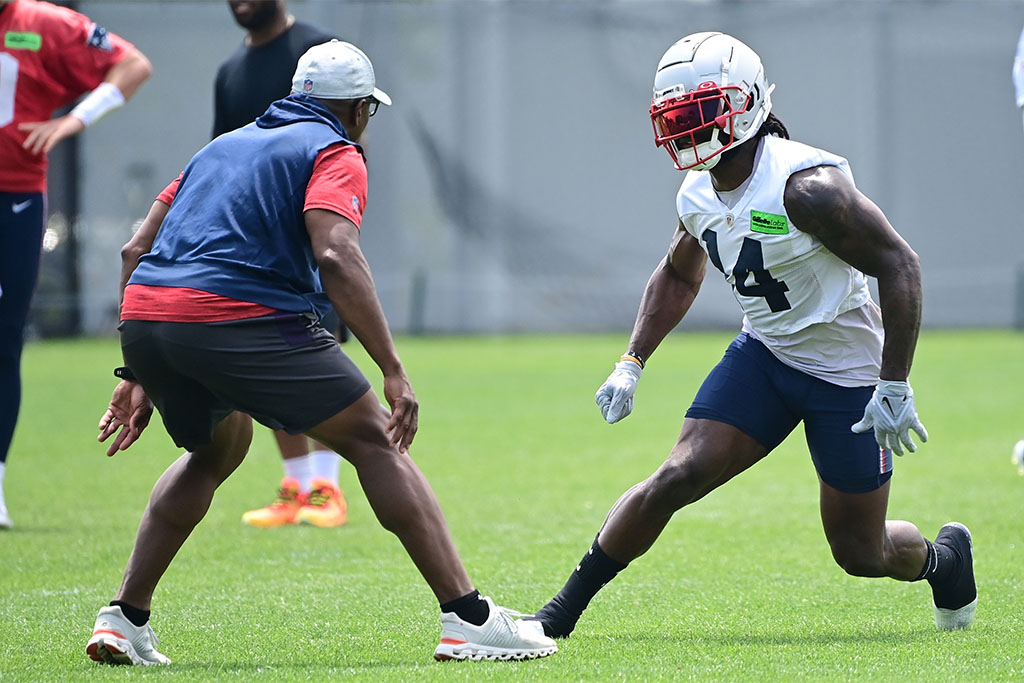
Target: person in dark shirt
{"type": "Point", "coordinates": [260, 70]}
{"type": "Point", "coordinates": [258, 73]}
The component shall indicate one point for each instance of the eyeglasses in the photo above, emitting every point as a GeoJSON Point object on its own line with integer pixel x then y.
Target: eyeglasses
{"type": "Point", "coordinates": [373, 105]}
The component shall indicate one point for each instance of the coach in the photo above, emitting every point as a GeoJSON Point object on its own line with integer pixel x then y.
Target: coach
{"type": "Point", "coordinates": [220, 322]}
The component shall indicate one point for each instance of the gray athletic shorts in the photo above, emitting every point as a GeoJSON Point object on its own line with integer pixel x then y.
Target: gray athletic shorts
{"type": "Point", "coordinates": [284, 370]}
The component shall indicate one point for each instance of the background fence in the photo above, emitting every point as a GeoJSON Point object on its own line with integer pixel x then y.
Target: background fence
{"type": "Point", "coordinates": [514, 185]}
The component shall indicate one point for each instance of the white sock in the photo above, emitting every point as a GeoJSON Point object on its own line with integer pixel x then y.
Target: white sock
{"type": "Point", "coordinates": [3, 466]}
{"type": "Point", "coordinates": [300, 468]}
{"type": "Point", "coordinates": [325, 466]}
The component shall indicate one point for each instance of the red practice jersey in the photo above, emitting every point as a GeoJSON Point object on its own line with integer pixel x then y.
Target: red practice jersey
{"type": "Point", "coordinates": [49, 57]}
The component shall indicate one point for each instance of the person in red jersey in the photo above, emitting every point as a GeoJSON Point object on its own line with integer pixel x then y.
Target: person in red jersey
{"type": "Point", "coordinates": [49, 57]}
{"type": "Point", "coordinates": [224, 293]}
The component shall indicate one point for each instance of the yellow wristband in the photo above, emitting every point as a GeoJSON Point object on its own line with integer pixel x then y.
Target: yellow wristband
{"type": "Point", "coordinates": [633, 359]}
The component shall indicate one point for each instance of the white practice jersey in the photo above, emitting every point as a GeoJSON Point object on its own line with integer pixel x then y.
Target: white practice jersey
{"type": "Point", "coordinates": [791, 288]}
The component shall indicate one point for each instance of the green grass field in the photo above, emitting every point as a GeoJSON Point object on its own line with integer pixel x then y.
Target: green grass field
{"type": "Point", "coordinates": [741, 586]}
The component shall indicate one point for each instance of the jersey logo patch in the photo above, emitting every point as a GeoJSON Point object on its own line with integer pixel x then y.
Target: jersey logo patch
{"type": "Point", "coordinates": [730, 219]}
{"type": "Point", "coordinates": [98, 39]}
{"type": "Point", "coordinates": [17, 40]}
{"type": "Point", "coordinates": [768, 223]}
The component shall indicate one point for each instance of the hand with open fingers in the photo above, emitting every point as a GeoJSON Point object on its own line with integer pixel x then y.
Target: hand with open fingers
{"type": "Point", "coordinates": [45, 135]}
{"type": "Point", "coordinates": [892, 414]}
{"type": "Point", "coordinates": [405, 410]}
{"type": "Point", "coordinates": [615, 397]}
{"type": "Point", "coordinates": [129, 411]}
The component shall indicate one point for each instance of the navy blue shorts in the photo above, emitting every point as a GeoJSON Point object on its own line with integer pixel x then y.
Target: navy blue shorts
{"type": "Point", "coordinates": [764, 398]}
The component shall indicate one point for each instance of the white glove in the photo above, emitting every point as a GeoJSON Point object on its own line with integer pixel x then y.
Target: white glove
{"type": "Point", "coordinates": [892, 414]}
{"type": "Point", "coordinates": [615, 397]}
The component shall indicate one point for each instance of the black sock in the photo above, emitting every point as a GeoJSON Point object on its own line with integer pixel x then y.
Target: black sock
{"type": "Point", "coordinates": [595, 570]}
{"type": "Point", "coordinates": [470, 607]}
{"type": "Point", "coordinates": [941, 564]}
{"type": "Point", "coordinates": [137, 616]}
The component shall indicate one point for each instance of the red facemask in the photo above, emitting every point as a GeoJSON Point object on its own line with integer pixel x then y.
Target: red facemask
{"type": "Point", "coordinates": [689, 121]}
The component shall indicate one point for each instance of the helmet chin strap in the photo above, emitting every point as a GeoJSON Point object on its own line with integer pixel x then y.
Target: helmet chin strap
{"type": "Point", "coordinates": [716, 150]}
{"type": "Point", "coordinates": [706, 165]}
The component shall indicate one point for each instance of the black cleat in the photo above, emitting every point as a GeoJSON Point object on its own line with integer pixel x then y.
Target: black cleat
{"type": "Point", "coordinates": [956, 600]}
{"type": "Point", "coordinates": [556, 620]}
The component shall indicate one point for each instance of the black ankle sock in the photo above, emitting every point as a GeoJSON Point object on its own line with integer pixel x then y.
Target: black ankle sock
{"type": "Point", "coordinates": [941, 564]}
{"type": "Point", "coordinates": [137, 616]}
{"type": "Point", "coordinates": [595, 570]}
{"type": "Point", "coordinates": [470, 607]}
{"type": "Point", "coordinates": [950, 569]}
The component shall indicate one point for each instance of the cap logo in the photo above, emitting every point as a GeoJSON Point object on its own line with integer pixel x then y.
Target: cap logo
{"type": "Point", "coordinates": [307, 85]}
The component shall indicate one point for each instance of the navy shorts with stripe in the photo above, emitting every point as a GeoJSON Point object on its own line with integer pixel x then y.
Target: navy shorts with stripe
{"type": "Point", "coordinates": [763, 397]}
{"type": "Point", "coordinates": [284, 370]}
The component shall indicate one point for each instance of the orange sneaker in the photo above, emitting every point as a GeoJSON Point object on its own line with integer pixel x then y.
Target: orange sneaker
{"type": "Point", "coordinates": [325, 506]}
{"type": "Point", "coordinates": [282, 511]}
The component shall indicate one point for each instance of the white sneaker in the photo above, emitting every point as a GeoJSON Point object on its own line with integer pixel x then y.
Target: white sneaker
{"type": "Point", "coordinates": [958, 536]}
{"type": "Point", "coordinates": [115, 640]}
{"type": "Point", "coordinates": [955, 619]}
{"type": "Point", "coordinates": [500, 637]}
{"type": "Point", "coordinates": [1018, 456]}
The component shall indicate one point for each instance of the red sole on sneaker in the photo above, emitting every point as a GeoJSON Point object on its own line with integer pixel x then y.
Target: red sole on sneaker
{"type": "Point", "coordinates": [106, 653]}
{"type": "Point", "coordinates": [494, 657]}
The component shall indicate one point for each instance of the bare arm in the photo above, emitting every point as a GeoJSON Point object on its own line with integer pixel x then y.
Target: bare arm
{"type": "Point", "coordinates": [130, 409]}
{"type": "Point", "coordinates": [140, 243]}
{"type": "Point", "coordinates": [130, 73]}
{"type": "Point", "coordinates": [349, 285]}
{"type": "Point", "coordinates": [669, 294]}
{"type": "Point", "coordinates": [824, 202]}
{"type": "Point", "coordinates": [127, 76]}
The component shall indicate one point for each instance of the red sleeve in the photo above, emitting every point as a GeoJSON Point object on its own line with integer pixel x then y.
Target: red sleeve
{"type": "Point", "coordinates": [338, 183]}
{"type": "Point", "coordinates": [167, 196]}
{"type": "Point", "coordinates": [87, 50]}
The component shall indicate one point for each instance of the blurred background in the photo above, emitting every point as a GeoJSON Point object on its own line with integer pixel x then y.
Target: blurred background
{"type": "Point", "coordinates": [515, 185]}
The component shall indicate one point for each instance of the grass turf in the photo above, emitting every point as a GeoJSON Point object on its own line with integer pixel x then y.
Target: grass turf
{"type": "Point", "coordinates": [740, 586]}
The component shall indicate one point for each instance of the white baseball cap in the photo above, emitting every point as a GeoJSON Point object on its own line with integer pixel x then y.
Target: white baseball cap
{"type": "Point", "coordinates": [336, 71]}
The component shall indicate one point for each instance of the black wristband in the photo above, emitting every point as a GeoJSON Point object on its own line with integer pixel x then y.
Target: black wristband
{"type": "Point", "coordinates": [124, 372]}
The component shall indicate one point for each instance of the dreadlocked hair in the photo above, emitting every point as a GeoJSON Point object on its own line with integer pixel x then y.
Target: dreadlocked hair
{"type": "Point", "coordinates": [773, 126]}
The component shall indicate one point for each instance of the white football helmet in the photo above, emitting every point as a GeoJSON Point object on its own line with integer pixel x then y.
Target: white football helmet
{"type": "Point", "coordinates": [710, 95]}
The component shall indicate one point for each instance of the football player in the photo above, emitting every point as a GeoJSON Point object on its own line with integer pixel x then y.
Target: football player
{"type": "Point", "coordinates": [49, 57]}
{"type": "Point", "coordinates": [786, 226]}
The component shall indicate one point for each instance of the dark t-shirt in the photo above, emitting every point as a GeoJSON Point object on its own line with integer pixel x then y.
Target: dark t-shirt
{"type": "Point", "coordinates": [250, 79]}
